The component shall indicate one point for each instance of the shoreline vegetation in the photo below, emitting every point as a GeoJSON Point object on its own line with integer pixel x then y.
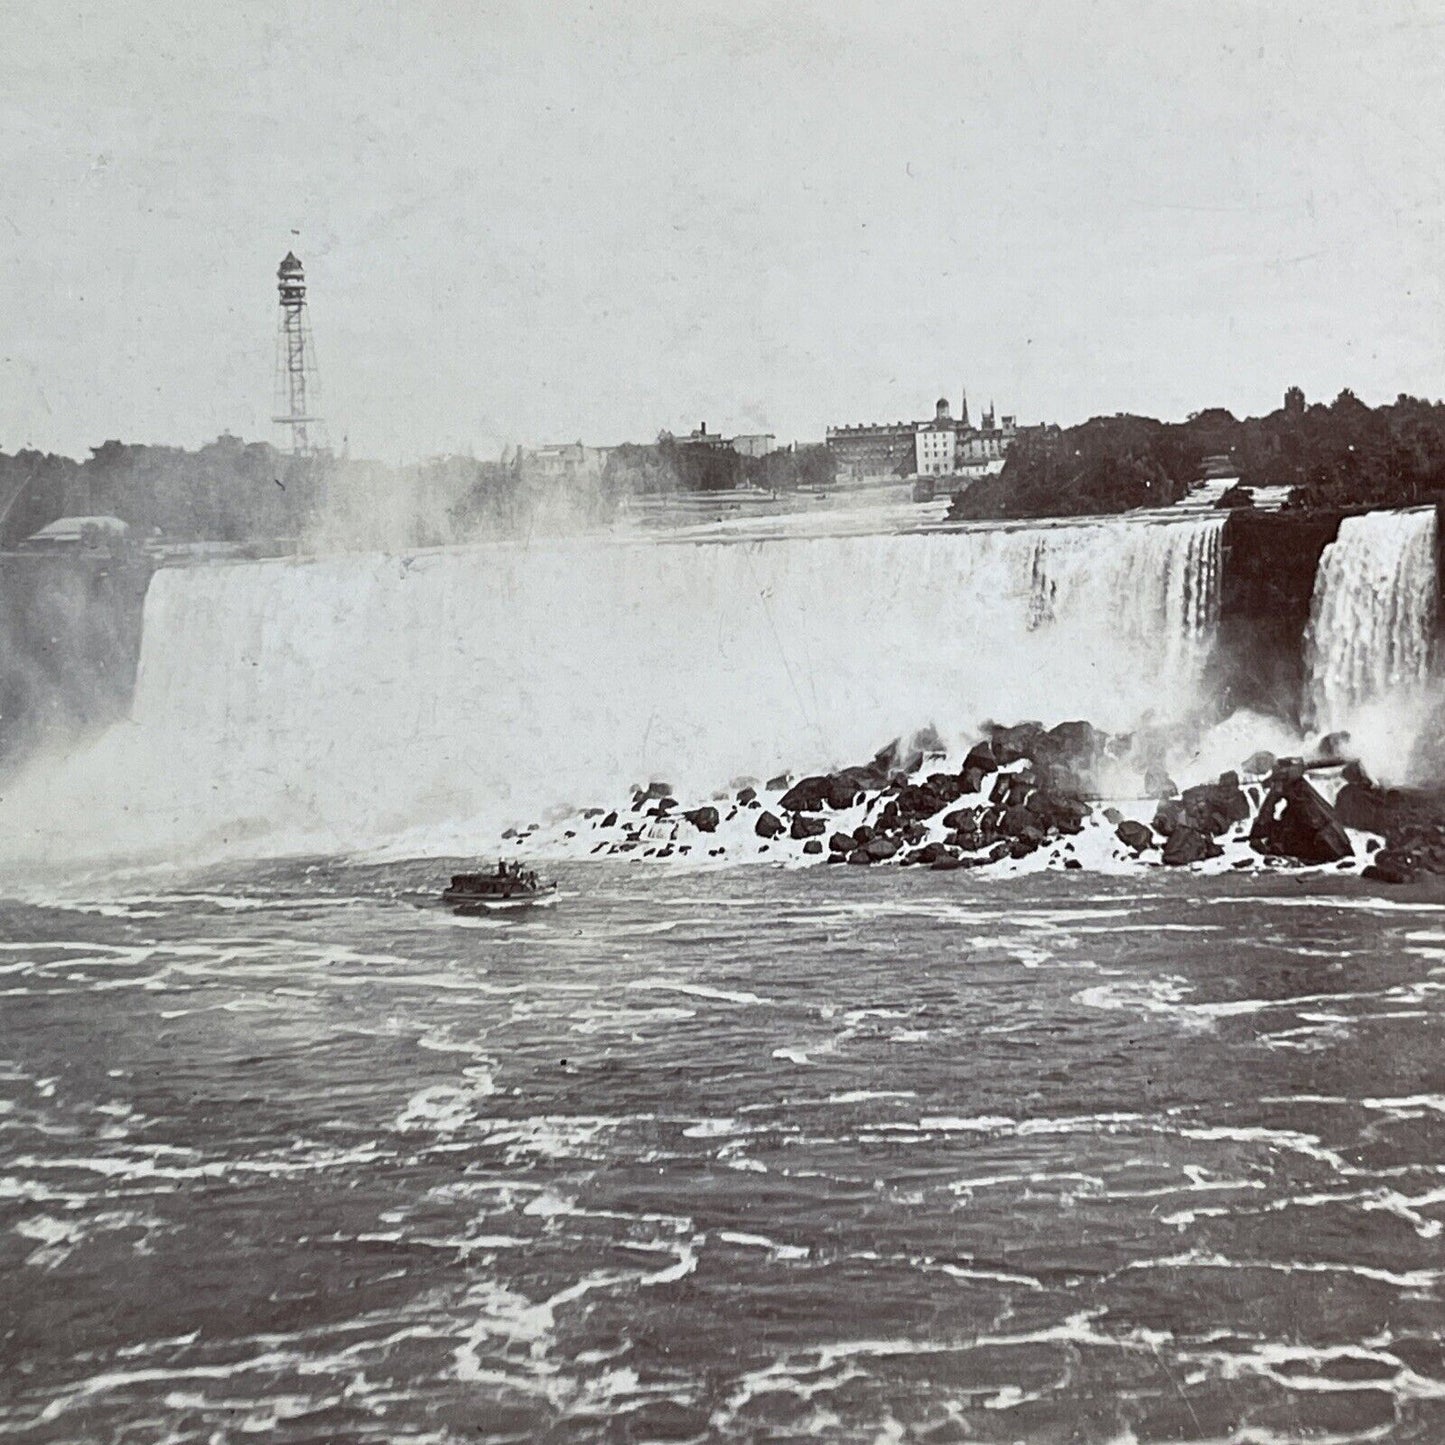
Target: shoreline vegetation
{"type": "Point", "coordinates": [1332, 456]}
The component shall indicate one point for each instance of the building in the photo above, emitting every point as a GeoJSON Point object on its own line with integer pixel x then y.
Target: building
{"type": "Point", "coordinates": [560, 462]}
{"type": "Point", "coordinates": [757, 444]}
{"type": "Point", "coordinates": [700, 436]}
{"type": "Point", "coordinates": [944, 446]}
{"type": "Point", "coordinates": [873, 450]}
{"type": "Point", "coordinates": [935, 443]}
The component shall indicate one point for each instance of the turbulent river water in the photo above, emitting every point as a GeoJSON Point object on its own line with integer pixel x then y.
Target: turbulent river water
{"type": "Point", "coordinates": [758, 1153]}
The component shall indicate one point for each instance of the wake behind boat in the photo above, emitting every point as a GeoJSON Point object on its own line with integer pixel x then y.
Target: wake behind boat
{"type": "Point", "coordinates": [510, 887]}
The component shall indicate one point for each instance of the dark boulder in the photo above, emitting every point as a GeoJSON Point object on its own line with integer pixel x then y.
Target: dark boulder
{"type": "Point", "coordinates": [610, 821]}
{"type": "Point", "coordinates": [812, 846]}
{"type": "Point", "coordinates": [781, 781]}
{"type": "Point", "coordinates": [862, 833]}
{"type": "Point", "coordinates": [842, 843]}
{"type": "Point", "coordinates": [1137, 836]}
{"type": "Point", "coordinates": [705, 820]}
{"type": "Point", "coordinates": [657, 790]}
{"type": "Point", "coordinates": [1022, 847]}
{"type": "Point", "coordinates": [860, 855]}
{"type": "Point", "coordinates": [1059, 812]}
{"type": "Point", "coordinates": [1076, 744]}
{"type": "Point", "coordinates": [1023, 740]}
{"type": "Point", "coordinates": [746, 796]}
{"type": "Point", "coordinates": [961, 818]}
{"type": "Point", "coordinates": [1260, 764]}
{"type": "Point", "coordinates": [980, 759]}
{"type": "Point", "coordinates": [1189, 845]}
{"type": "Point", "coordinates": [1113, 816]}
{"type": "Point", "coordinates": [1214, 808]}
{"type": "Point", "coordinates": [807, 827]}
{"type": "Point", "coordinates": [1358, 805]}
{"type": "Point", "coordinates": [971, 780]}
{"type": "Point", "coordinates": [1392, 866]}
{"type": "Point", "coordinates": [918, 800]}
{"type": "Point", "coordinates": [881, 848]}
{"type": "Point", "coordinates": [769, 825]}
{"type": "Point", "coordinates": [1168, 816]}
{"type": "Point", "coordinates": [947, 863]}
{"type": "Point", "coordinates": [1295, 822]}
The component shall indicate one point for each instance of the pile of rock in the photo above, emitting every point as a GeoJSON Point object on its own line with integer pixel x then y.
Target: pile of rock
{"type": "Point", "coordinates": [1020, 809]}
{"type": "Point", "coordinates": [1411, 821]}
{"type": "Point", "coordinates": [1024, 789]}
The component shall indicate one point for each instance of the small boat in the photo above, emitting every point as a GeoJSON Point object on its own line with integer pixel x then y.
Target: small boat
{"type": "Point", "coordinates": [510, 887]}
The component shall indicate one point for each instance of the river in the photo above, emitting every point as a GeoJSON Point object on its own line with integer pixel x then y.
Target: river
{"type": "Point", "coordinates": [752, 1153]}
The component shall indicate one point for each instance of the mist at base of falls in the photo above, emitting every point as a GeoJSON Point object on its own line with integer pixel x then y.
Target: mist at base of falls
{"type": "Point", "coordinates": [335, 704]}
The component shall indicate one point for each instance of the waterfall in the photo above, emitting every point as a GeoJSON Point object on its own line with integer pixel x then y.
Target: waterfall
{"type": "Point", "coordinates": [335, 703]}
{"type": "Point", "coordinates": [1372, 618]}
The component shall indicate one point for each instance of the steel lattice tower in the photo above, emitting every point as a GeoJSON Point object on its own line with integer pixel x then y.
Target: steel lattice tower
{"type": "Point", "coordinates": [298, 386]}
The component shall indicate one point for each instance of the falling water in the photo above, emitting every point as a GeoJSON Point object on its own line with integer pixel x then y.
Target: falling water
{"type": "Point", "coordinates": [335, 703]}
{"type": "Point", "coordinates": [1372, 618]}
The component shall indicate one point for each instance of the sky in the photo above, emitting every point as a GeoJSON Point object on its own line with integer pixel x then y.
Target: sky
{"type": "Point", "coordinates": [529, 223]}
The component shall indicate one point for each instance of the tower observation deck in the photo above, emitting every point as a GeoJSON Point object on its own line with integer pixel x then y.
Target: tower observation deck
{"type": "Point", "coordinates": [297, 407]}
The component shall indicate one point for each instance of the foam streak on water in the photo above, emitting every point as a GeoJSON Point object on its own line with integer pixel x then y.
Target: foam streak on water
{"type": "Point", "coordinates": [923, 1156]}
{"type": "Point", "coordinates": [329, 704]}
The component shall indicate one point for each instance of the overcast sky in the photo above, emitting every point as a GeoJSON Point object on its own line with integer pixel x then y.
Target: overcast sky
{"type": "Point", "coordinates": [544, 222]}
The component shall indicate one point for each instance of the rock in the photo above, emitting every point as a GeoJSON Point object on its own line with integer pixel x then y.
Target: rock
{"type": "Point", "coordinates": [962, 818]}
{"type": "Point", "coordinates": [917, 801]}
{"type": "Point", "coordinates": [1060, 812]}
{"type": "Point", "coordinates": [946, 863]}
{"type": "Point", "coordinates": [1134, 835]}
{"type": "Point", "coordinates": [774, 785]}
{"type": "Point", "coordinates": [658, 790]}
{"type": "Point", "coordinates": [1079, 744]}
{"type": "Point", "coordinates": [746, 796]}
{"type": "Point", "coordinates": [769, 825]}
{"type": "Point", "coordinates": [971, 780]}
{"type": "Point", "coordinates": [1168, 816]}
{"type": "Point", "coordinates": [1358, 805]}
{"type": "Point", "coordinates": [829, 790]}
{"type": "Point", "coordinates": [805, 826]}
{"type": "Point", "coordinates": [1214, 808]}
{"type": "Point", "coordinates": [1001, 786]}
{"type": "Point", "coordinates": [914, 834]}
{"type": "Point", "coordinates": [842, 843]}
{"type": "Point", "coordinates": [1236, 496]}
{"type": "Point", "coordinates": [1113, 816]}
{"type": "Point", "coordinates": [1022, 847]}
{"type": "Point", "coordinates": [931, 853]}
{"type": "Point", "coordinates": [1022, 823]}
{"type": "Point", "coordinates": [610, 821]}
{"type": "Point", "coordinates": [881, 848]}
{"type": "Point", "coordinates": [705, 820]}
{"type": "Point", "coordinates": [860, 855]}
{"type": "Point", "coordinates": [1189, 845]}
{"type": "Point", "coordinates": [1260, 764]}
{"type": "Point", "coordinates": [1390, 866]}
{"type": "Point", "coordinates": [1295, 822]}
{"type": "Point", "coordinates": [1020, 741]}
{"type": "Point", "coordinates": [1072, 863]}
{"type": "Point", "coordinates": [1158, 784]}
{"type": "Point", "coordinates": [980, 759]}
{"type": "Point", "coordinates": [862, 834]}
{"type": "Point", "coordinates": [812, 846]}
